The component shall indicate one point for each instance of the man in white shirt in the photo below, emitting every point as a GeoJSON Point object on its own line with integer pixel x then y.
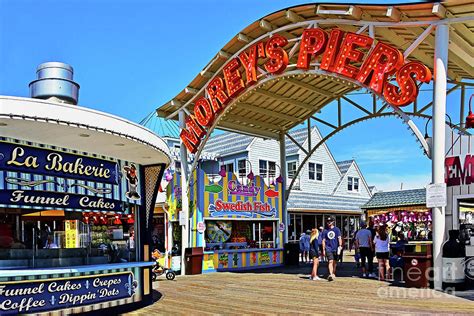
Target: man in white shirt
{"type": "Point", "coordinates": [365, 245]}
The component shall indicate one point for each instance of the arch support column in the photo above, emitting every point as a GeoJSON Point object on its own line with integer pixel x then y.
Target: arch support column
{"type": "Point", "coordinates": [438, 149]}
{"type": "Point", "coordinates": [184, 193]}
{"type": "Point", "coordinates": [284, 203]}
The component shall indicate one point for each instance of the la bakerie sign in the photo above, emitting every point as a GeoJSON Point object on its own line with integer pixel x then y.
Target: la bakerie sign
{"type": "Point", "coordinates": [338, 52]}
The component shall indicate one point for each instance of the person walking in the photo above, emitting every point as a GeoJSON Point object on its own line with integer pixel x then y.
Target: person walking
{"type": "Point", "coordinates": [332, 246]}
{"type": "Point", "coordinates": [303, 247]}
{"type": "Point", "coordinates": [314, 254]}
{"type": "Point", "coordinates": [381, 242]}
{"type": "Point", "coordinates": [364, 244]}
{"type": "Point", "coordinates": [307, 245]}
{"type": "Point", "coordinates": [320, 244]}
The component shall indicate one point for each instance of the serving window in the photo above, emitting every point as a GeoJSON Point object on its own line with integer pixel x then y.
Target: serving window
{"type": "Point", "coordinates": [54, 238]}
{"type": "Point", "coordinates": [240, 234]}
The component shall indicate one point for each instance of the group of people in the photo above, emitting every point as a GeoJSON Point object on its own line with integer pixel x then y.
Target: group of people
{"type": "Point", "coordinates": [322, 244]}
{"type": "Point", "coordinates": [327, 244]}
{"type": "Point", "coordinates": [368, 241]}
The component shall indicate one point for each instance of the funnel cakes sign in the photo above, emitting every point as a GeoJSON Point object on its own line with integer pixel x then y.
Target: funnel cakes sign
{"type": "Point", "coordinates": [337, 52]}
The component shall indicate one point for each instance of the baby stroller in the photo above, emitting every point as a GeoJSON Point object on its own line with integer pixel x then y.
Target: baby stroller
{"type": "Point", "coordinates": [158, 269]}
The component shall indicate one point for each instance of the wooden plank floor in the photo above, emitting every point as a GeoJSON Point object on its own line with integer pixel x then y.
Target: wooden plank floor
{"type": "Point", "coordinates": [288, 291]}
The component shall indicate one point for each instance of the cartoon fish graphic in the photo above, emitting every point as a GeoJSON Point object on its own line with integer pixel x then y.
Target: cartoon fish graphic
{"type": "Point", "coordinates": [213, 188]}
{"type": "Point", "coordinates": [271, 193]}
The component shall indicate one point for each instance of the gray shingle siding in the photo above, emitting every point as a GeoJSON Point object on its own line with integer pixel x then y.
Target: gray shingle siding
{"type": "Point", "coordinates": [344, 165]}
{"type": "Point", "coordinates": [311, 201]}
{"type": "Point", "coordinates": [396, 198]}
{"type": "Point", "coordinates": [300, 136]}
{"type": "Point", "coordinates": [228, 143]}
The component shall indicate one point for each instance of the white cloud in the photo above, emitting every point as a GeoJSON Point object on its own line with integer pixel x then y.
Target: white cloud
{"type": "Point", "coordinates": [392, 182]}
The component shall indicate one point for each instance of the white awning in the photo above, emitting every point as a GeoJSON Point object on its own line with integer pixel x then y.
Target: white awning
{"type": "Point", "coordinates": [80, 128]}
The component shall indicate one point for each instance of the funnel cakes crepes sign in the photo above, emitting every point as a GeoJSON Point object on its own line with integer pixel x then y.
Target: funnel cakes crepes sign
{"type": "Point", "coordinates": [336, 51]}
{"type": "Point", "coordinates": [29, 297]}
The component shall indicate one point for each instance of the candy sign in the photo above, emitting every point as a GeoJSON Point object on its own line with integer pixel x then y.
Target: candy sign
{"type": "Point", "coordinates": [241, 209]}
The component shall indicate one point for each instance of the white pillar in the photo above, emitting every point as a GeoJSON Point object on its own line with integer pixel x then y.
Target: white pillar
{"type": "Point", "coordinates": [284, 220]}
{"type": "Point", "coordinates": [439, 112]}
{"type": "Point", "coordinates": [184, 193]}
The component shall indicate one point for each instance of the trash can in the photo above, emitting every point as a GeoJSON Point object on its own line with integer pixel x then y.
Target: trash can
{"type": "Point", "coordinates": [417, 264]}
{"type": "Point", "coordinates": [193, 260]}
{"type": "Point", "coordinates": [292, 254]}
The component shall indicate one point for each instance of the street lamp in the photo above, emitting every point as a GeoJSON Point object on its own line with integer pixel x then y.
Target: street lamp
{"type": "Point", "coordinates": [470, 116]}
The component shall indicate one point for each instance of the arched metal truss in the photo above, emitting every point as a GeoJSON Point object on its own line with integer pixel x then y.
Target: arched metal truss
{"type": "Point", "coordinates": [349, 124]}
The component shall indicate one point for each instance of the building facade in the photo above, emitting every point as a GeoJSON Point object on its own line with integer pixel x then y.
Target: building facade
{"type": "Point", "coordinates": [324, 187]}
{"type": "Point", "coordinates": [77, 191]}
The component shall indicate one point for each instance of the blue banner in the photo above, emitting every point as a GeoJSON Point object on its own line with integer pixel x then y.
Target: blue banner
{"type": "Point", "coordinates": [27, 297]}
{"type": "Point", "coordinates": [28, 159]}
{"type": "Point", "coordinates": [59, 200]}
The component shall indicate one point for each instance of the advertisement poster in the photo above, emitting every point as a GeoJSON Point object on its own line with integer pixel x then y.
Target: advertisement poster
{"type": "Point", "coordinates": [72, 233]}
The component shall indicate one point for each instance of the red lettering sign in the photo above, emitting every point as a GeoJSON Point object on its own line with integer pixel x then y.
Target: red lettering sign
{"type": "Point", "coordinates": [456, 174]}
{"type": "Point", "coordinates": [341, 52]}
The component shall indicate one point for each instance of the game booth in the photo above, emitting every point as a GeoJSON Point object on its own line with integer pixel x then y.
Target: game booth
{"type": "Point", "coordinates": [77, 191]}
{"type": "Point", "coordinates": [235, 222]}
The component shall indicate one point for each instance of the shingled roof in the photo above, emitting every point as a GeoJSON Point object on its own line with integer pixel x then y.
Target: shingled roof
{"type": "Point", "coordinates": [344, 165]}
{"type": "Point", "coordinates": [311, 201]}
{"type": "Point", "coordinates": [228, 143]}
{"type": "Point", "coordinates": [299, 135]}
{"type": "Point", "coordinates": [396, 198]}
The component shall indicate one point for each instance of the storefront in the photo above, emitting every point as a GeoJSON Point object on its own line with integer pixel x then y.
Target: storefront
{"type": "Point", "coordinates": [238, 225]}
{"type": "Point", "coordinates": [459, 174]}
{"type": "Point", "coordinates": [402, 212]}
{"type": "Point", "coordinates": [77, 191]}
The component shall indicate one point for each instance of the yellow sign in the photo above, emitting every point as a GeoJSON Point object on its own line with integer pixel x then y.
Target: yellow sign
{"type": "Point", "coordinates": [208, 262]}
{"type": "Point", "coordinates": [72, 233]}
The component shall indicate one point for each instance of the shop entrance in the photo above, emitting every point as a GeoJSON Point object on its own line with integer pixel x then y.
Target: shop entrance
{"type": "Point", "coordinates": [55, 238]}
{"type": "Point", "coordinates": [301, 223]}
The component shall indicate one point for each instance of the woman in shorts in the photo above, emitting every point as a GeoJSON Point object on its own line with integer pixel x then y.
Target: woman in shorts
{"type": "Point", "coordinates": [381, 242]}
{"type": "Point", "coordinates": [314, 254]}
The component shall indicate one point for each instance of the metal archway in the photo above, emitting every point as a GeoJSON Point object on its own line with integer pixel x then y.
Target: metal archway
{"type": "Point", "coordinates": [424, 32]}
{"type": "Point", "coordinates": [347, 125]}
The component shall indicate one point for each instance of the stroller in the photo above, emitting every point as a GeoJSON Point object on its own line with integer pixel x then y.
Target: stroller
{"type": "Point", "coordinates": [158, 269]}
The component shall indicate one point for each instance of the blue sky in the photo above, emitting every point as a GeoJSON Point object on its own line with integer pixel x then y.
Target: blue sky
{"type": "Point", "coordinates": [132, 56]}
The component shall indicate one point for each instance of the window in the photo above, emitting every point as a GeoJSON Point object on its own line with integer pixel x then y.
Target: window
{"type": "Point", "coordinates": [54, 238]}
{"type": "Point", "coordinates": [235, 234]}
{"type": "Point", "coordinates": [315, 171]}
{"type": "Point", "coordinates": [291, 166]}
{"type": "Point", "coordinates": [319, 172]}
{"type": "Point", "coordinates": [242, 166]}
{"type": "Point", "coordinates": [177, 146]}
{"type": "Point", "coordinates": [229, 167]}
{"type": "Point", "coordinates": [352, 184]}
{"type": "Point", "coordinates": [271, 169]}
{"type": "Point", "coordinates": [262, 168]}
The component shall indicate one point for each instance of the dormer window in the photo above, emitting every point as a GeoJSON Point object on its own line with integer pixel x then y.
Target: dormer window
{"type": "Point", "coordinates": [352, 184]}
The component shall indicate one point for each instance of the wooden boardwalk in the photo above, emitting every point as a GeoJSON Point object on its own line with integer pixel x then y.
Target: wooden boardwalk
{"type": "Point", "coordinates": [288, 291]}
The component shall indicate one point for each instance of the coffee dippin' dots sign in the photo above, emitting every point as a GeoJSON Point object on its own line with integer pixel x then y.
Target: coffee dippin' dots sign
{"type": "Point", "coordinates": [338, 52]}
{"type": "Point", "coordinates": [45, 295]}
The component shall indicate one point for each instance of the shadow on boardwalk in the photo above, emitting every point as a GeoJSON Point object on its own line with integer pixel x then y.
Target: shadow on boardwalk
{"type": "Point", "coordinates": [286, 290]}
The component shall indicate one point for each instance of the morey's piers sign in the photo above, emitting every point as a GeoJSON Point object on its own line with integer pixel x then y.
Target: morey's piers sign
{"type": "Point", "coordinates": [338, 52]}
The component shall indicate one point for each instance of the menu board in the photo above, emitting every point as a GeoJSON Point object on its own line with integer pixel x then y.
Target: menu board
{"type": "Point", "coordinates": [72, 233]}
